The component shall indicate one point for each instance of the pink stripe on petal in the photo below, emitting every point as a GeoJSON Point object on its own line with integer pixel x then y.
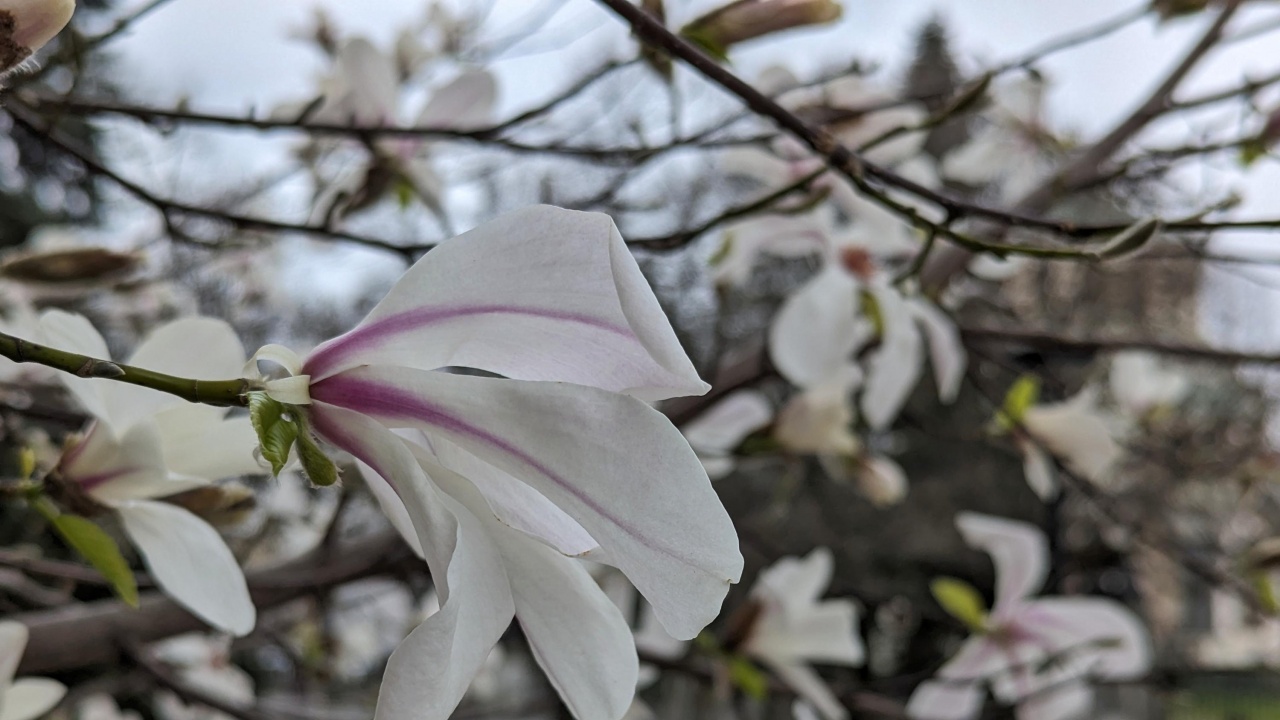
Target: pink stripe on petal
{"type": "Point", "coordinates": [377, 400]}
{"type": "Point", "coordinates": [89, 482]}
{"type": "Point", "coordinates": [332, 353]}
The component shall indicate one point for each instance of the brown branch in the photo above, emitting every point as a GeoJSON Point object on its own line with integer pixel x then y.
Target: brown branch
{"type": "Point", "coordinates": [168, 208]}
{"type": "Point", "coordinates": [1050, 341]}
{"type": "Point", "coordinates": [951, 260]}
{"type": "Point", "coordinates": [166, 678]}
{"type": "Point", "coordinates": [89, 634]}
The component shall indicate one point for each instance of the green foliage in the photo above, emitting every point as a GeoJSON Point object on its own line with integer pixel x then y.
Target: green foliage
{"type": "Point", "coordinates": [962, 601]}
{"type": "Point", "coordinates": [1022, 394]}
{"type": "Point", "coordinates": [96, 546]}
{"type": "Point", "coordinates": [318, 467]}
{"type": "Point", "coordinates": [276, 429]}
{"type": "Point", "coordinates": [751, 680]}
{"type": "Point", "coordinates": [709, 42]}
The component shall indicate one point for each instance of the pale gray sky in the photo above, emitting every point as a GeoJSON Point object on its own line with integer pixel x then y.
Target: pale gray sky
{"type": "Point", "coordinates": [235, 54]}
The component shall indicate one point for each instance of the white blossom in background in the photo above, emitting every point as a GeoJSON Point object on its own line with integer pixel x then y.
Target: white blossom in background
{"type": "Point", "coordinates": [26, 25]}
{"type": "Point", "coordinates": [501, 483]}
{"type": "Point", "coordinates": [841, 310]}
{"type": "Point", "coordinates": [23, 698]}
{"type": "Point", "coordinates": [1141, 384]}
{"type": "Point", "coordinates": [145, 444]}
{"type": "Point", "coordinates": [296, 521]}
{"type": "Point", "coordinates": [367, 620]}
{"type": "Point", "coordinates": [1073, 431]}
{"type": "Point", "coordinates": [1008, 149]}
{"type": "Point", "coordinates": [101, 706]}
{"type": "Point", "coordinates": [364, 88]}
{"type": "Point", "coordinates": [1038, 653]}
{"type": "Point", "coordinates": [794, 627]}
{"type": "Point", "coordinates": [715, 433]}
{"type": "Point", "coordinates": [202, 662]}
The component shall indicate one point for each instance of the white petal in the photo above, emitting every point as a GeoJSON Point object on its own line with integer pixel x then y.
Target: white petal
{"type": "Point", "coordinates": [29, 698]}
{"type": "Point", "coordinates": [724, 425]}
{"type": "Point", "coordinates": [392, 506]}
{"type": "Point", "coordinates": [613, 463]}
{"type": "Point", "coordinates": [815, 333]}
{"type": "Point", "coordinates": [129, 469]}
{"type": "Point", "coordinates": [538, 294]}
{"type": "Point", "coordinates": [1062, 701]}
{"type": "Point", "coordinates": [826, 633]}
{"type": "Point", "coordinates": [276, 354]}
{"type": "Point", "coordinates": [820, 419]}
{"type": "Point", "coordinates": [430, 671]}
{"type": "Point", "coordinates": [1038, 468]}
{"type": "Point", "coordinates": [74, 333]}
{"type": "Point", "coordinates": [984, 158]}
{"type": "Point", "coordinates": [38, 21]}
{"type": "Point", "coordinates": [13, 641]}
{"type": "Point", "coordinates": [1107, 638]}
{"type": "Point", "coordinates": [776, 235]}
{"type": "Point", "coordinates": [198, 443]}
{"type": "Point", "coordinates": [290, 390]}
{"type": "Point", "coordinates": [882, 480]}
{"type": "Point", "coordinates": [200, 348]}
{"type": "Point", "coordinates": [801, 710]}
{"type": "Point", "coordinates": [575, 632]}
{"type": "Point", "coordinates": [1139, 382]}
{"type": "Point", "coordinates": [946, 350]}
{"type": "Point", "coordinates": [203, 348]}
{"type": "Point", "coordinates": [428, 674]}
{"type": "Point", "coordinates": [364, 87]}
{"type": "Point", "coordinates": [894, 367]}
{"type": "Point", "coordinates": [515, 504]}
{"type": "Point", "coordinates": [795, 582]}
{"type": "Point", "coordinates": [810, 686]}
{"type": "Point", "coordinates": [793, 624]}
{"type": "Point", "coordinates": [940, 700]}
{"type": "Point", "coordinates": [466, 102]}
{"type": "Point", "coordinates": [191, 563]}
{"type": "Point", "coordinates": [872, 126]}
{"type": "Point", "coordinates": [1017, 549]}
{"type": "Point", "coordinates": [978, 660]}
{"type": "Point", "coordinates": [1075, 433]}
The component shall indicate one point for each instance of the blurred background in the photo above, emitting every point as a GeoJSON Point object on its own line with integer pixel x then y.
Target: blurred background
{"type": "Point", "coordinates": [279, 165]}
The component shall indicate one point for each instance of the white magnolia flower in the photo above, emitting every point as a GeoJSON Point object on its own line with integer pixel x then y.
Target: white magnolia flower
{"type": "Point", "coordinates": [146, 444]}
{"type": "Point", "coordinates": [828, 320]}
{"type": "Point", "coordinates": [818, 420]}
{"type": "Point", "coordinates": [722, 427]}
{"type": "Point", "coordinates": [1075, 433]}
{"type": "Point", "coordinates": [202, 662]}
{"type": "Point", "coordinates": [24, 698]}
{"type": "Point", "coordinates": [508, 479]}
{"type": "Point", "coordinates": [794, 628]}
{"type": "Point", "coordinates": [363, 88]}
{"type": "Point", "coordinates": [101, 706]}
{"type": "Point", "coordinates": [1034, 651]}
{"type": "Point", "coordinates": [1140, 383]}
{"type": "Point", "coordinates": [27, 25]}
{"type": "Point", "coordinates": [1008, 149]}
{"type": "Point", "coordinates": [846, 222]}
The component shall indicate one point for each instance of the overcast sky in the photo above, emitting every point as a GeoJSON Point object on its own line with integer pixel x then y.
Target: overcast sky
{"type": "Point", "coordinates": [235, 54]}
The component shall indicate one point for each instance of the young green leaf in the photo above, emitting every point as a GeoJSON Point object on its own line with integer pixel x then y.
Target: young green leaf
{"type": "Point", "coordinates": [748, 678]}
{"type": "Point", "coordinates": [96, 546]}
{"type": "Point", "coordinates": [961, 601]}
{"type": "Point", "coordinates": [1024, 393]}
{"type": "Point", "coordinates": [275, 428]}
{"type": "Point", "coordinates": [318, 467]}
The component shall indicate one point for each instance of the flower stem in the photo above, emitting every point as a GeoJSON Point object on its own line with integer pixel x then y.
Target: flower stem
{"type": "Point", "coordinates": [223, 393]}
